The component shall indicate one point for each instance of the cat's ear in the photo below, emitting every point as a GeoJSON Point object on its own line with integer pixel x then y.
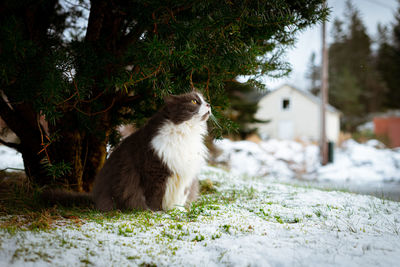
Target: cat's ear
{"type": "Point", "coordinates": [197, 92]}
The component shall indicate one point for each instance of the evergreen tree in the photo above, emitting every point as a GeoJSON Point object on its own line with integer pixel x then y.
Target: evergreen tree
{"type": "Point", "coordinates": [381, 64]}
{"type": "Point", "coordinates": [131, 54]}
{"type": "Point", "coordinates": [243, 98]}
{"type": "Point", "coordinates": [388, 62]}
{"type": "Point", "coordinates": [394, 93]}
{"type": "Point", "coordinates": [345, 93]}
{"type": "Point", "coordinates": [314, 75]}
{"type": "Point", "coordinates": [352, 67]}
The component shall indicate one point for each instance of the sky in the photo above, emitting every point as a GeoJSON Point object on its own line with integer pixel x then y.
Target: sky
{"type": "Point", "coordinates": [372, 12]}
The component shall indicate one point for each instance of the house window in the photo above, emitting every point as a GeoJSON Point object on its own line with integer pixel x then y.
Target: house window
{"type": "Point", "coordinates": [286, 104]}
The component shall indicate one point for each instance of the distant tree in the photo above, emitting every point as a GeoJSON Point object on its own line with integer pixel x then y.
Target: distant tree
{"type": "Point", "coordinates": [118, 68]}
{"type": "Point", "coordinates": [388, 61]}
{"type": "Point", "coordinates": [394, 93]}
{"type": "Point", "coordinates": [243, 98]}
{"type": "Point", "coordinates": [345, 93]}
{"type": "Point", "coordinates": [313, 74]}
{"type": "Point", "coordinates": [352, 63]}
{"type": "Point", "coordinates": [381, 65]}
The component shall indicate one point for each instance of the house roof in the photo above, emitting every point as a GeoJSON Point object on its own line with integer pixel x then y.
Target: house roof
{"type": "Point", "coordinates": [306, 94]}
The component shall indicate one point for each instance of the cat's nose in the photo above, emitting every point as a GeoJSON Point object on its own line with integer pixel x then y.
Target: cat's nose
{"type": "Point", "coordinates": [208, 105]}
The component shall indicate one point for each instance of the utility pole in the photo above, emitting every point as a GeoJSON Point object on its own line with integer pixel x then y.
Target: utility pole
{"type": "Point", "coordinates": [324, 95]}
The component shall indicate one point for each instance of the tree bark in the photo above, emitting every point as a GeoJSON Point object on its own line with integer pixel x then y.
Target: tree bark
{"type": "Point", "coordinates": [95, 151]}
{"type": "Point", "coordinates": [34, 168]}
{"type": "Point", "coordinates": [82, 149]}
{"type": "Point", "coordinates": [93, 160]}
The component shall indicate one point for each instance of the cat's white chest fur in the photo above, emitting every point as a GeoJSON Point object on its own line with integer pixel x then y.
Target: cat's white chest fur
{"type": "Point", "coordinates": [180, 147]}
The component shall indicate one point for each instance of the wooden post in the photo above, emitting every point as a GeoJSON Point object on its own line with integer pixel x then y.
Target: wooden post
{"type": "Point", "coordinates": [324, 96]}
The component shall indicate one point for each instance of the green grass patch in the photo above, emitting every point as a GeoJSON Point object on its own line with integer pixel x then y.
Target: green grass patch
{"type": "Point", "coordinates": [22, 208]}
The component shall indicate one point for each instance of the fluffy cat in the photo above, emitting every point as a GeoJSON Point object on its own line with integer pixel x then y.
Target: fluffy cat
{"type": "Point", "coordinates": [155, 167]}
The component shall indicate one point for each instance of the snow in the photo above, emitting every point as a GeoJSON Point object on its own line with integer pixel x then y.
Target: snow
{"type": "Point", "coordinates": [249, 222]}
{"type": "Point", "coordinates": [368, 126]}
{"type": "Point", "coordinates": [363, 163]}
{"type": "Point", "coordinates": [9, 158]}
{"type": "Point", "coordinates": [253, 219]}
{"type": "Point", "coordinates": [283, 160]}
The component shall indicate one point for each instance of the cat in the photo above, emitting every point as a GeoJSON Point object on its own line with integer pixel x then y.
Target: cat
{"type": "Point", "coordinates": [155, 168]}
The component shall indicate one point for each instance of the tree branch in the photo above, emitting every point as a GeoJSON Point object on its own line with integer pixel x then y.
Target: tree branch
{"type": "Point", "coordinates": [129, 100]}
{"type": "Point", "coordinates": [9, 116]}
{"type": "Point", "coordinates": [20, 125]}
{"type": "Point", "coordinates": [77, 4]}
{"type": "Point", "coordinates": [130, 38]}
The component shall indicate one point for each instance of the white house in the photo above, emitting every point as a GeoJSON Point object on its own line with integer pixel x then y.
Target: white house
{"type": "Point", "coordinates": [295, 114]}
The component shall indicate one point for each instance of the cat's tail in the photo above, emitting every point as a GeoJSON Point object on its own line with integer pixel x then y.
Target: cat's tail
{"type": "Point", "coordinates": [66, 198]}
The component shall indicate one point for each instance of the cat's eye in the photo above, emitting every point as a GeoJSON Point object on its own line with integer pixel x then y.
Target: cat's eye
{"type": "Point", "coordinates": [194, 101]}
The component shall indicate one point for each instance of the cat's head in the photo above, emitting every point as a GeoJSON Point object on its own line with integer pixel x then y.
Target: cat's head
{"type": "Point", "coordinates": [185, 107]}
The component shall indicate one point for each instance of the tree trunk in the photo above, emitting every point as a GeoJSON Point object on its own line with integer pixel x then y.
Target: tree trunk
{"type": "Point", "coordinates": [96, 153]}
{"type": "Point", "coordinates": [84, 153]}
{"type": "Point", "coordinates": [69, 150]}
{"type": "Point", "coordinates": [83, 150]}
{"type": "Point", "coordinates": [34, 167]}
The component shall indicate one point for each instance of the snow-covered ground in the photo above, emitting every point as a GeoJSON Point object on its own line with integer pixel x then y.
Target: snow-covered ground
{"type": "Point", "coordinates": [249, 221]}
{"type": "Point", "coordinates": [284, 160]}
{"type": "Point", "coordinates": [252, 218]}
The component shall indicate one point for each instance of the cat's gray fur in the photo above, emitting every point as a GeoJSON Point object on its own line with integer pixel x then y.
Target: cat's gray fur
{"type": "Point", "coordinates": [134, 176]}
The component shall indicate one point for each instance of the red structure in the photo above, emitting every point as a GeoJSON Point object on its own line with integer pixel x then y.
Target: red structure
{"type": "Point", "coordinates": [389, 127]}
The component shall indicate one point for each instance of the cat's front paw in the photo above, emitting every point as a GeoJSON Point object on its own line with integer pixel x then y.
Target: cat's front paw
{"type": "Point", "coordinates": [180, 208]}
